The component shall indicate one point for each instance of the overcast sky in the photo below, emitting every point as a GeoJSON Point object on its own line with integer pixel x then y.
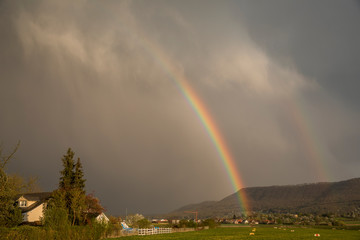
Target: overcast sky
{"type": "Point", "coordinates": [280, 79]}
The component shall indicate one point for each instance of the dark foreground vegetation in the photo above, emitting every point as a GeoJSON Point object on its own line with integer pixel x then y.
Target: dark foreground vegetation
{"type": "Point", "coordinates": [96, 231]}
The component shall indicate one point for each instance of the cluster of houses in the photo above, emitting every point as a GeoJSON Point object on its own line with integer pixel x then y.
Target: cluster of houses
{"type": "Point", "coordinates": [245, 221]}
{"type": "Point", "coordinates": [227, 221]}
{"type": "Point", "coordinates": [237, 221]}
{"type": "Point", "coordinates": [32, 207]}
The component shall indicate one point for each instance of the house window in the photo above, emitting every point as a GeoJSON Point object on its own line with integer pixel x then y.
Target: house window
{"type": "Point", "coordinates": [23, 203]}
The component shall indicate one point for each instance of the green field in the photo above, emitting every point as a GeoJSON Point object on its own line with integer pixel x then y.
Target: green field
{"type": "Point", "coordinates": [260, 233]}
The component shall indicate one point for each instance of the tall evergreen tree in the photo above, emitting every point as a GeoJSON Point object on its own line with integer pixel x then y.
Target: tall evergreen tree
{"type": "Point", "coordinates": [67, 174]}
{"type": "Point", "coordinates": [72, 184]}
{"type": "Point", "coordinates": [78, 204]}
{"type": "Point", "coordinates": [79, 181]}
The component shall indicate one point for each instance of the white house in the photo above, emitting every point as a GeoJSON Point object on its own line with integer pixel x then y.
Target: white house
{"type": "Point", "coordinates": [32, 206]}
{"type": "Point", "coordinates": [102, 218]}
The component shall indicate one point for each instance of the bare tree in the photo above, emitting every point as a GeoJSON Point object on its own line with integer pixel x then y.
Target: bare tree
{"type": "Point", "coordinates": [10, 214]}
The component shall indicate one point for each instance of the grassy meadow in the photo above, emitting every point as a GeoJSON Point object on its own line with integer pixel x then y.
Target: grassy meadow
{"type": "Point", "coordinates": [229, 233]}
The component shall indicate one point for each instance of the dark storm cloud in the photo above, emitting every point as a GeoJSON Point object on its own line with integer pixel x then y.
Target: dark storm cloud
{"type": "Point", "coordinates": [83, 75]}
{"type": "Point", "coordinates": [321, 37]}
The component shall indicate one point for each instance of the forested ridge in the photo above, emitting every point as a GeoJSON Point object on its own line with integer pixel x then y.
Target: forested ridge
{"type": "Point", "coordinates": [316, 198]}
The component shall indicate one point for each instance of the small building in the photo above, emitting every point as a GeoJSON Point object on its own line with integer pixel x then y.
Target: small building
{"type": "Point", "coordinates": [102, 218]}
{"type": "Point", "coordinates": [163, 221]}
{"type": "Point", "coordinates": [238, 221]}
{"type": "Point", "coordinates": [32, 206]}
{"type": "Point", "coordinates": [175, 221]}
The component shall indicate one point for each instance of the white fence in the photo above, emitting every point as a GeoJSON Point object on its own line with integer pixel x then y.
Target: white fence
{"type": "Point", "coordinates": [152, 231]}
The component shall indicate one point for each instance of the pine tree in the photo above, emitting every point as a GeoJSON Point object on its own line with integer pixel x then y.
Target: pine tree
{"type": "Point", "coordinates": [79, 181]}
{"type": "Point", "coordinates": [67, 174]}
{"type": "Point", "coordinates": [72, 184]}
{"type": "Point", "coordinates": [78, 194]}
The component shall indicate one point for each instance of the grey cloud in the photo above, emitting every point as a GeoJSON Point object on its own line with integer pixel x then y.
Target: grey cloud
{"type": "Point", "coordinates": [321, 38]}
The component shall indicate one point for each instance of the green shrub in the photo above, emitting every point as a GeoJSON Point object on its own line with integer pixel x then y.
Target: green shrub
{"type": "Point", "coordinates": [90, 232]}
{"type": "Point", "coordinates": [210, 223]}
{"type": "Point", "coordinates": [25, 232]}
{"type": "Point", "coordinates": [143, 223]}
{"type": "Point", "coordinates": [57, 219]}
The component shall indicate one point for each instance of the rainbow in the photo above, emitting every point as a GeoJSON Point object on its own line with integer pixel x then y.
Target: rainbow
{"type": "Point", "coordinates": [215, 136]}
{"type": "Point", "coordinates": [203, 114]}
{"type": "Point", "coordinates": [312, 147]}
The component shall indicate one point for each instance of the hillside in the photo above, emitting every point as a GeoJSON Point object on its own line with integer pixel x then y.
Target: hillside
{"type": "Point", "coordinates": [335, 197]}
